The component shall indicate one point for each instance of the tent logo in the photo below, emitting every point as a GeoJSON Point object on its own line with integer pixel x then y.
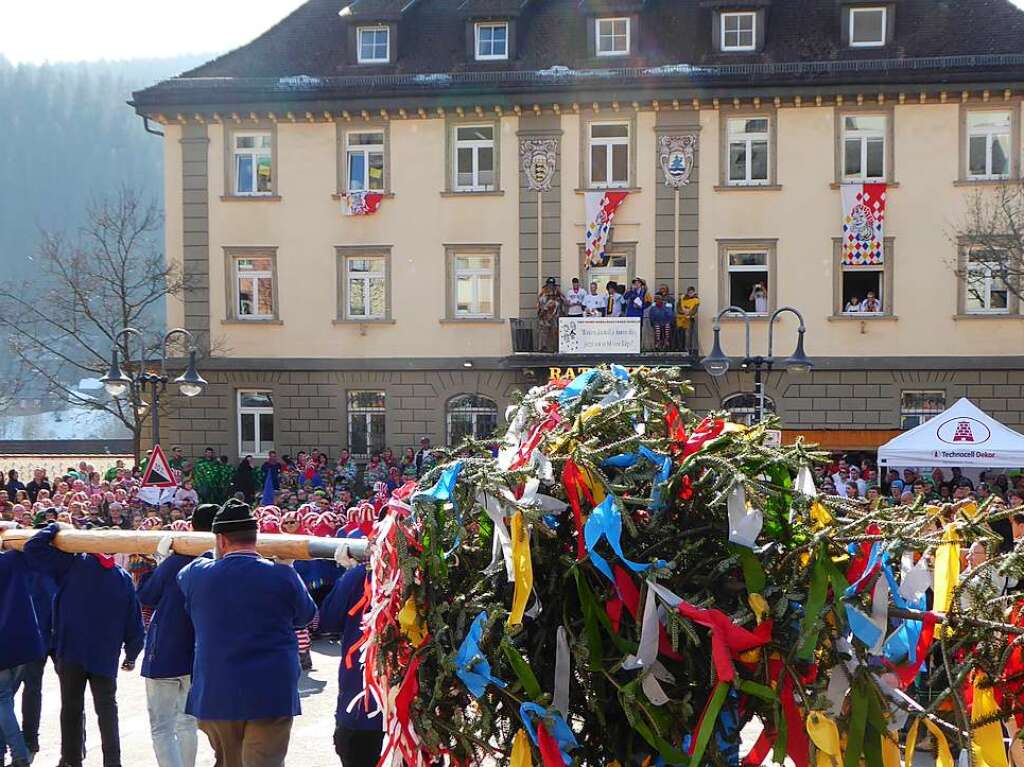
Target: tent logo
{"type": "Point", "coordinates": [963, 431]}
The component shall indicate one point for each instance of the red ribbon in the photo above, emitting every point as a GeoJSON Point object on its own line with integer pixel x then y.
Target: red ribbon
{"type": "Point", "coordinates": [676, 430]}
{"type": "Point", "coordinates": [706, 430]}
{"type": "Point", "coordinates": [727, 639]}
{"type": "Point", "coordinates": [907, 674]}
{"type": "Point", "coordinates": [686, 488]}
{"type": "Point", "coordinates": [761, 748]}
{"type": "Point", "coordinates": [797, 742]}
{"type": "Point", "coordinates": [526, 448]}
{"type": "Point", "coordinates": [860, 562]}
{"type": "Point", "coordinates": [550, 754]}
{"type": "Point", "coordinates": [575, 487]}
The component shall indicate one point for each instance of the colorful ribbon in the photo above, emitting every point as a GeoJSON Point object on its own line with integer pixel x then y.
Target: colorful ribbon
{"type": "Point", "coordinates": [605, 521]}
{"type": "Point", "coordinates": [987, 745]}
{"type": "Point", "coordinates": [727, 639]}
{"type": "Point", "coordinates": [471, 665]}
{"type": "Point", "coordinates": [943, 756]}
{"type": "Point", "coordinates": [825, 736]}
{"type": "Point", "coordinates": [521, 756]}
{"type": "Point", "coordinates": [947, 569]}
{"type": "Point", "coordinates": [551, 734]}
{"type": "Point", "coordinates": [522, 565]}
{"type": "Point", "coordinates": [745, 523]}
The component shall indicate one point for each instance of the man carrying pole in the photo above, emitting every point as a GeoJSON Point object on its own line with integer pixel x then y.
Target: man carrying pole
{"type": "Point", "coordinates": [167, 662]}
{"type": "Point", "coordinates": [245, 610]}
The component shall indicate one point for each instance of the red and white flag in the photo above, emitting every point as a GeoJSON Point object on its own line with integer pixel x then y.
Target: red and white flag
{"type": "Point", "coordinates": [863, 224]}
{"type": "Point", "coordinates": [361, 203]}
{"type": "Point", "coordinates": [600, 210]}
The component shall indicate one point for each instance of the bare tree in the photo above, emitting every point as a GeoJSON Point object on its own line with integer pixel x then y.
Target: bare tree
{"type": "Point", "coordinates": [991, 237]}
{"type": "Point", "coordinates": [63, 321]}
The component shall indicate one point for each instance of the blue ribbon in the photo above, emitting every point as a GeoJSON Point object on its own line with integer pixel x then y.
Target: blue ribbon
{"type": "Point", "coordinates": [620, 372]}
{"type": "Point", "coordinates": [471, 665]}
{"type": "Point", "coordinates": [663, 463]}
{"type": "Point", "coordinates": [444, 488]}
{"type": "Point", "coordinates": [862, 627]}
{"type": "Point", "coordinates": [555, 725]}
{"type": "Point", "coordinates": [605, 521]}
{"type": "Point", "coordinates": [579, 383]}
{"type": "Point", "coordinates": [874, 559]}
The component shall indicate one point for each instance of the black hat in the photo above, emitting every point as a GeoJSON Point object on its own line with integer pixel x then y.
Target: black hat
{"type": "Point", "coordinates": [550, 281]}
{"type": "Point", "coordinates": [202, 517]}
{"type": "Point", "coordinates": [233, 516]}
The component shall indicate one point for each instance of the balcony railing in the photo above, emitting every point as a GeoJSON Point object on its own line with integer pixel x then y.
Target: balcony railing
{"type": "Point", "coordinates": [530, 336]}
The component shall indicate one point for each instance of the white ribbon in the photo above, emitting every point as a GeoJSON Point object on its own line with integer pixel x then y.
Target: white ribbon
{"type": "Point", "coordinates": [744, 523]}
{"type": "Point", "coordinates": [880, 612]}
{"type": "Point", "coordinates": [560, 699]}
{"type": "Point", "coordinates": [805, 482]}
{"type": "Point", "coordinates": [647, 652]}
{"type": "Point", "coordinates": [916, 578]}
{"type": "Point", "coordinates": [667, 596]}
{"type": "Point", "coordinates": [502, 541]}
{"type": "Point", "coordinates": [838, 686]}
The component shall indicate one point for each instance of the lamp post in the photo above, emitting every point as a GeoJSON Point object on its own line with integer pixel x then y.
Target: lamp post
{"type": "Point", "coordinates": [717, 362]}
{"type": "Point", "coordinates": [118, 383]}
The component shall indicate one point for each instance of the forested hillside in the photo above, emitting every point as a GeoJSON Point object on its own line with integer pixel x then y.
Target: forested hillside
{"type": "Point", "coordinates": [67, 137]}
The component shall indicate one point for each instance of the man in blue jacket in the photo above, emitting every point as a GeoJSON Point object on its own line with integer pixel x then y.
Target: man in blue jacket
{"type": "Point", "coordinates": [21, 644]}
{"type": "Point", "coordinates": [167, 662]}
{"type": "Point", "coordinates": [43, 589]}
{"type": "Point", "coordinates": [245, 678]}
{"type": "Point", "coordinates": [95, 614]}
{"type": "Point", "coordinates": [357, 737]}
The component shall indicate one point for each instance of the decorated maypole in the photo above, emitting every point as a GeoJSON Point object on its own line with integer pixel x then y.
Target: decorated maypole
{"type": "Point", "coordinates": [625, 583]}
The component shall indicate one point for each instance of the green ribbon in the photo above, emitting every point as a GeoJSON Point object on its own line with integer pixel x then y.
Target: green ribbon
{"type": "Point", "coordinates": [629, 700]}
{"type": "Point", "coordinates": [858, 726]}
{"type": "Point", "coordinates": [762, 691]}
{"type": "Point", "coordinates": [753, 573]}
{"type": "Point", "coordinates": [591, 628]}
{"type": "Point", "coordinates": [522, 671]}
{"type": "Point", "coordinates": [815, 603]}
{"type": "Point", "coordinates": [707, 724]}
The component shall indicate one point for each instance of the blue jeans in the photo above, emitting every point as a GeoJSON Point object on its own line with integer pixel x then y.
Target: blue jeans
{"type": "Point", "coordinates": [8, 721]}
{"type": "Point", "coordinates": [175, 737]}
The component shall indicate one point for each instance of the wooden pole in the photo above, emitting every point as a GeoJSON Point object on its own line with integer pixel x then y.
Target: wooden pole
{"type": "Point", "coordinates": [191, 544]}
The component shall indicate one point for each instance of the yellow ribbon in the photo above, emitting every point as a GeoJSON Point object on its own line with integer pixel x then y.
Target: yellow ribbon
{"type": "Point", "coordinates": [987, 744]}
{"type": "Point", "coordinates": [522, 565]}
{"type": "Point", "coordinates": [943, 756]}
{"type": "Point", "coordinates": [820, 515]}
{"type": "Point", "coordinates": [521, 750]}
{"type": "Point", "coordinates": [891, 751]}
{"type": "Point", "coordinates": [947, 569]}
{"type": "Point", "coordinates": [411, 623]}
{"type": "Point", "coordinates": [760, 607]}
{"type": "Point", "coordinates": [596, 488]}
{"type": "Point", "coordinates": [825, 736]}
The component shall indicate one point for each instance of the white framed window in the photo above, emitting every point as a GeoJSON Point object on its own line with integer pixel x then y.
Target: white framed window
{"type": "Point", "coordinates": [253, 163]}
{"type": "Point", "coordinates": [373, 45]}
{"type": "Point", "coordinates": [739, 31]}
{"type": "Point", "coordinates": [254, 287]}
{"type": "Point", "coordinates": [491, 41]}
{"type": "Point", "coordinates": [364, 161]}
{"type": "Point", "coordinates": [473, 286]}
{"type": "Point", "coordinates": [470, 415]}
{"type": "Point", "coordinates": [748, 151]}
{"type": "Point", "coordinates": [366, 422]}
{"type": "Point", "coordinates": [748, 280]}
{"type": "Point", "coordinates": [868, 27]}
{"type": "Point", "coordinates": [616, 270]}
{"type": "Point", "coordinates": [609, 154]}
{"type": "Point", "coordinates": [916, 407]}
{"type": "Point", "coordinates": [612, 36]}
{"type": "Point", "coordinates": [988, 144]}
{"type": "Point", "coordinates": [255, 423]}
{"type": "Point", "coordinates": [474, 158]}
{"type": "Point", "coordinates": [986, 291]}
{"type": "Point", "coordinates": [863, 145]}
{"type": "Point", "coordinates": [365, 288]}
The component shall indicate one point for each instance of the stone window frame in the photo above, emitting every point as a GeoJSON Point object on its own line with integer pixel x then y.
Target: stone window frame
{"type": "Point", "coordinates": [888, 282]}
{"type": "Point", "coordinates": [622, 116]}
{"type": "Point", "coordinates": [341, 141]}
{"type": "Point", "coordinates": [627, 248]}
{"type": "Point", "coordinates": [886, 110]}
{"type": "Point", "coordinates": [770, 245]}
{"type": "Point", "coordinates": [451, 250]}
{"type": "Point", "coordinates": [250, 126]}
{"type": "Point", "coordinates": [931, 387]}
{"type": "Point", "coordinates": [451, 122]}
{"type": "Point", "coordinates": [231, 254]}
{"type": "Point", "coordinates": [259, 389]}
{"type": "Point", "coordinates": [727, 113]}
{"type": "Point", "coordinates": [348, 412]}
{"type": "Point", "coordinates": [964, 245]}
{"type": "Point", "coordinates": [342, 253]}
{"type": "Point", "coordinates": [448, 411]}
{"type": "Point", "coordinates": [1013, 106]}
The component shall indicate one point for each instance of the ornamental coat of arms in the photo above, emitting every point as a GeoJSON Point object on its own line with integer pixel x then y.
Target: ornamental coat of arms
{"type": "Point", "coordinates": [538, 157]}
{"type": "Point", "coordinates": [675, 153]}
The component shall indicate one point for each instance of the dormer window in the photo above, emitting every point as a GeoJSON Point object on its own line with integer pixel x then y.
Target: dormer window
{"type": "Point", "coordinates": [491, 41]}
{"type": "Point", "coordinates": [739, 31]}
{"type": "Point", "coordinates": [868, 27]}
{"type": "Point", "coordinates": [612, 36]}
{"type": "Point", "coordinates": [373, 45]}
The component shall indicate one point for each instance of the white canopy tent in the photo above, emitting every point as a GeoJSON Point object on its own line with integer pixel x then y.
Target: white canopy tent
{"type": "Point", "coordinates": [963, 436]}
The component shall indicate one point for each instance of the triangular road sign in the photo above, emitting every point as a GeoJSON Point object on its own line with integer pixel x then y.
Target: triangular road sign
{"type": "Point", "coordinates": [158, 470]}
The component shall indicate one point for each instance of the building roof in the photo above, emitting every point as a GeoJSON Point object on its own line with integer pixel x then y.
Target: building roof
{"type": "Point", "coordinates": [307, 55]}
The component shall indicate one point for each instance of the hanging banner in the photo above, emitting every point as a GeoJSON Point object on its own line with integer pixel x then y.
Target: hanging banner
{"type": "Point", "coordinates": [361, 203]}
{"type": "Point", "coordinates": [599, 335]}
{"type": "Point", "coordinates": [600, 210]}
{"type": "Point", "coordinates": [863, 224]}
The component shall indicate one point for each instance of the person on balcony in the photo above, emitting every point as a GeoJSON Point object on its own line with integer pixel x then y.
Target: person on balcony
{"type": "Point", "coordinates": [550, 307]}
{"type": "Point", "coordinates": [594, 303]}
{"type": "Point", "coordinates": [574, 299]}
{"type": "Point", "coordinates": [661, 317]}
{"type": "Point", "coordinates": [636, 298]}
{"type": "Point", "coordinates": [686, 319]}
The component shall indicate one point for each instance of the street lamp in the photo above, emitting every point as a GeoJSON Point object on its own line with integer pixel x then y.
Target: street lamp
{"type": "Point", "coordinates": [118, 383]}
{"type": "Point", "coordinates": [717, 362]}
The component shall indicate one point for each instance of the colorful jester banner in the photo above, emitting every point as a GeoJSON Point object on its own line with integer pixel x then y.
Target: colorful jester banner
{"type": "Point", "coordinates": [625, 583]}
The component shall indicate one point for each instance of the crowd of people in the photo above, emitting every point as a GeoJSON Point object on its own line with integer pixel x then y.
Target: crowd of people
{"type": "Point", "coordinates": [671, 321]}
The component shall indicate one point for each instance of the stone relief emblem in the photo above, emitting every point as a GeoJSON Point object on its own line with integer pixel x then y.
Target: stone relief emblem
{"type": "Point", "coordinates": [538, 157]}
{"type": "Point", "coordinates": [676, 156]}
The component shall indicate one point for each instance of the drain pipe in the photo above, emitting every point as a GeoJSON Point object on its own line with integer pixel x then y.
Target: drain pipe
{"type": "Point", "coordinates": [145, 124]}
